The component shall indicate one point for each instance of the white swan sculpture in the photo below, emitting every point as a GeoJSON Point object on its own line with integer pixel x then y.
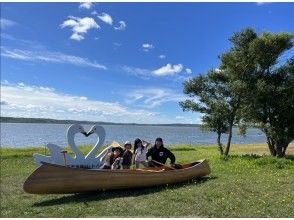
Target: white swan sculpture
{"type": "Point", "coordinates": [59, 157]}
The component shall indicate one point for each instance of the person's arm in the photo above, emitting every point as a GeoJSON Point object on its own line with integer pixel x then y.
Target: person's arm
{"type": "Point", "coordinates": [134, 156]}
{"type": "Point", "coordinates": [171, 156]}
{"type": "Point", "coordinates": [107, 160]}
{"type": "Point", "coordinates": [135, 149]}
{"type": "Point", "coordinates": [149, 153]}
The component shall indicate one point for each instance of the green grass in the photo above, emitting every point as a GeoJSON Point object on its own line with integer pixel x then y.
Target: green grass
{"type": "Point", "coordinates": [243, 185]}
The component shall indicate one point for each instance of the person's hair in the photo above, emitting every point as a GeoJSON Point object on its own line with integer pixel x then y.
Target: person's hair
{"type": "Point", "coordinates": [137, 141]}
{"type": "Point", "coordinates": [121, 151]}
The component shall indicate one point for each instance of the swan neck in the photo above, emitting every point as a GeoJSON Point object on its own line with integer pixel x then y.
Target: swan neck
{"type": "Point", "coordinates": [71, 142]}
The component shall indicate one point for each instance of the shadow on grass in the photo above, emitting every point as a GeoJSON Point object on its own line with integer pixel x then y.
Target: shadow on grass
{"type": "Point", "coordinates": [104, 195]}
{"type": "Point", "coordinates": [289, 157]}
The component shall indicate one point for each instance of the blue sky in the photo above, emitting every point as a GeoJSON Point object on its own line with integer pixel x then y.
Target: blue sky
{"type": "Point", "coordinates": [118, 62]}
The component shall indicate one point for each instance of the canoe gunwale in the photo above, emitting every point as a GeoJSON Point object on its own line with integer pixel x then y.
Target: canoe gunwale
{"type": "Point", "coordinates": [147, 170]}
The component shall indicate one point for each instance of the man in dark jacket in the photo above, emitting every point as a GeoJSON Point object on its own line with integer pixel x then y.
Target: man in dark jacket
{"type": "Point", "coordinates": [159, 153]}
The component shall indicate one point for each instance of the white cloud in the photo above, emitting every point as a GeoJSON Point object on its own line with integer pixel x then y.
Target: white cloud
{"type": "Point", "coordinates": [122, 26]}
{"type": "Point", "coordinates": [161, 56]}
{"type": "Point", "coordinates": [50, 57]}
{"type": "Point", "coordinates": [153, 97]}
{"type": "Point", "coordinates": [262, 3]}
{"type": "Point", "coordinates": [79, 26]}
{"type": "Point", "coordinates": [168, 70]}
{"type": "Point", "coordinates": [6, 36]}
{"type": "Point", "coordinates": [22, 42]}
{"type": "Point", "coordinates": [20, 100]}
{"type": "Point", "coordinates": [5, 23]}
{"type": "Point", "coordinates": [94, 13]}
{"type": "Point", "coordinates": [146, 47]}
{"type": "Point", "coordinates": [105, 18]}
{"type": "Point", "coordinates": [188, 70]}
{"type": "Point", "coordinates": [180, 78]}
{"type": "Point", "coordinates": [86, 5]}
{"type": "Point", "coordinates": [192, 118]}
{"type": "Point", "coordinates": [140, 72]}
{"type": "Point", "coordinates": [116, 44]}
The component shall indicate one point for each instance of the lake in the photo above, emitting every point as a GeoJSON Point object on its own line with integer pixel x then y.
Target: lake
{"type": "Point", "coordinates": [22, 135]}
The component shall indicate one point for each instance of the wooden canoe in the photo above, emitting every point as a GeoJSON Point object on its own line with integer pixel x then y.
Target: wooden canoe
{"type": "Point", "coordinates": [51, 178]}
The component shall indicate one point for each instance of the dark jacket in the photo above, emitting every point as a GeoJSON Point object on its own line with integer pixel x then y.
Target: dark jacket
{"type": "Point", "coordinates": [160, 155]}
{"type": "Point", "coordinates": [127, 158]}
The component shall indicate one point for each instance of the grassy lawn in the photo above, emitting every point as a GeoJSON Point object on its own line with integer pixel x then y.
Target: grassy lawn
{"type": "Point", "coordinates": [248, 184]}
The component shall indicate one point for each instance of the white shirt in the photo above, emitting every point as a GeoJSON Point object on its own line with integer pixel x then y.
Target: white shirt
{"type": "Point", "coordinates": [140, 154]}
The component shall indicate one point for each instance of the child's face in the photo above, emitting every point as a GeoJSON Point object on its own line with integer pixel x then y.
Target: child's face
{"type": "Point", "coordinates": [116, 152]}
{"type": "Point", "coordinates": [128, 147]}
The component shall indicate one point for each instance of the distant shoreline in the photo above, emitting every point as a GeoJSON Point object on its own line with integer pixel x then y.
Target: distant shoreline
{"type": "Point", "coordinates": [56, 121]}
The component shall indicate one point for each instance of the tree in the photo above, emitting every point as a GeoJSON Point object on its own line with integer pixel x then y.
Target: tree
{"type": "Point", "coordinates": [268, 84]}
{"type": "Point", "coordinates": [253, 87]}
{"type": "Point", "coordinates": [216, 101]}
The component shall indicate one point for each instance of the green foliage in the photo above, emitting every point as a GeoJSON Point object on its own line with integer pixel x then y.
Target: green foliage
{"type": "Point", "coordinates": [252, 86]}
{"type": "Point", "coordinates": [267, 84]}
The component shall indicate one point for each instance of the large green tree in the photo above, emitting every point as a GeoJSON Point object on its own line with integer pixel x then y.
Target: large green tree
{"type": "Point", "coordinates": [267, 98]}
{"type": "Point", "coordinates": [253, 86]}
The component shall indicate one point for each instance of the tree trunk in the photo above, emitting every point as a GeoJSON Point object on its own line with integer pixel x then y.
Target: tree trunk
{"type": "Point", "coordinates": [284, 150]}
{"type": "Point", "coordinates": [220, 145]}
{"type": "Point", "coordinates": [277, 147]}
{"type": "Point", "coordinates": [281, 147]}
{"type": "Point", "coordinates": [271, 145]}
{"type": "Point", "coordinates": [229, 139]}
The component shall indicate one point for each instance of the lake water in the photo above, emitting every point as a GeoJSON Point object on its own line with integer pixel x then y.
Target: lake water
{"type": "Point", "coordinates": [21, 135]}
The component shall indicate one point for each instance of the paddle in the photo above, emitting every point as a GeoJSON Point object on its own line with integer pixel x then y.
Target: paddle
{"type": "Point", "coordinates": [64, 157]}
{"type": "Point", "coordinates": [163, 165]}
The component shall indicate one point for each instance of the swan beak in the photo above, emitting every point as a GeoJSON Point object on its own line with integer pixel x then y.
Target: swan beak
{"type": "Point", "coordinates": [84, 133]}
{"type": "Point", "coordinates": [89, 133]}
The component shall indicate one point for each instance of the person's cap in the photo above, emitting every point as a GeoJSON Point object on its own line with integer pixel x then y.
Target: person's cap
{"type": "Point", "coordinates": [159, 139]}
{"type": "Point", "coordinates": [128, 143]}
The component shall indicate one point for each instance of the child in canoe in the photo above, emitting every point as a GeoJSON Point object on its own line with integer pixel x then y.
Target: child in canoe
{"type": "Point", "coordinates": [127, 155]}
{"type": "Point", "coordinates": [112, 159]}
{"type": "Point", "coordinates": [140, 154]}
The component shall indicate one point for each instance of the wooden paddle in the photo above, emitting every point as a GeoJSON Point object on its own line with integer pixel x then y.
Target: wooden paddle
{"type": "Point", "coordinates": [163, 165]}
{"type": "Point", "coordinates": [64, 157]}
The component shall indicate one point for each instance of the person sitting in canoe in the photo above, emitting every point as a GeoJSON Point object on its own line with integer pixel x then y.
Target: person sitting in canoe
{"type": "Point", "coordinates": [159, 154]}
{"type": "Point", "coordinates": [127, 155]}
{"type": "Point", "coordinates": [112, 159]}
{"type": "Point", "coordinates": [140, 153]}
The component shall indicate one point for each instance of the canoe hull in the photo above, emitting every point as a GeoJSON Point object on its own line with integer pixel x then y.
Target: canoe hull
{"type": "Point", "coordinates": [53, 179]}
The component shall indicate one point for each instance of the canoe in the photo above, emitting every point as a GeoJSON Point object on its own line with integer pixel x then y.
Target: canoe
{"type": "Point", "coordinates": [54, 179]}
